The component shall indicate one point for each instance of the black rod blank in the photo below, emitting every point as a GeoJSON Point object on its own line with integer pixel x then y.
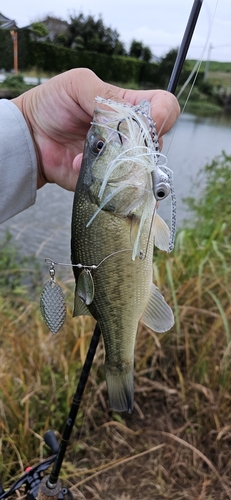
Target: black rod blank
{"type": "Point", "coordinates": [181, 56]}
{"type": "Point", "coordinates": [53, 478]}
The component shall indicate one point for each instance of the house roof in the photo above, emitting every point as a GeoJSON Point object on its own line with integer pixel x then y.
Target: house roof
{"type": "Point", "coordinates": [6, 23]}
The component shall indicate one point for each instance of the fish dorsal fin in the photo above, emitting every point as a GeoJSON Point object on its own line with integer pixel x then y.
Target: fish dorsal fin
{"type": "Point", "coordinates": [161, 233]}
{"type": "Point", "coordinates": [80, 309]}
{"type": "Point", "coordinates": [158, 315]}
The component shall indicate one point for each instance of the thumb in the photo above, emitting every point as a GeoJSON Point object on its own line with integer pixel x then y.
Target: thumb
{"type": "Point", "coordinates": [77, 163]}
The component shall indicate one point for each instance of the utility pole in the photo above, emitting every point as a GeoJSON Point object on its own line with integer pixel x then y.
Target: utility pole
{"type": "Point", "coordinates": [14, 35]}
{"type": "Point", "coordinates": [207, 63]}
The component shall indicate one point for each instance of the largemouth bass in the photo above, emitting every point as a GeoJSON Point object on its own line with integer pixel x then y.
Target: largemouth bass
{"type": "Point", "coordinates": [113, 238]}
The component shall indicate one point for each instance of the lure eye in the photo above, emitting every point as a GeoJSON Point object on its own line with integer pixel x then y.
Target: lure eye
{"type": "Point", "coordinates": [161, 186]}
{"type": "Point", "coordinates": [98, 145]}
{"type": "Point", "coordinates": [161, 191]}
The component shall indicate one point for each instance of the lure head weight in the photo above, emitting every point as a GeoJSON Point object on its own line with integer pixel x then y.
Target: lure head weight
{"type": "Point", "coordinates": [161, 186]}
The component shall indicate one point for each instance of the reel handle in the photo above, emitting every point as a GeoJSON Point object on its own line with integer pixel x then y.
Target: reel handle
{"type": "Point", "coordinates": [51, 441]}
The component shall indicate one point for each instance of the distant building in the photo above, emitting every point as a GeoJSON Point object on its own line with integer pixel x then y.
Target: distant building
{"type": "Point", "coordinates": [155, 59]}
{"type": "Point", "coordinates": [6, 23]}
{"type": "Point", "coordinates": [55, 27]}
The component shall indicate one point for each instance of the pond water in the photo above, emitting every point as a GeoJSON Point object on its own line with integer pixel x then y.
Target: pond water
{"type": "Point", "coordinates": [192, 143]}
{"type": "Point", "coordinates": [44, 229]}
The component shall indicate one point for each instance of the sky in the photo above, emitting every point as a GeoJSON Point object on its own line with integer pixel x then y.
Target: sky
{"type": "Point", "coordinates": [160, 24]}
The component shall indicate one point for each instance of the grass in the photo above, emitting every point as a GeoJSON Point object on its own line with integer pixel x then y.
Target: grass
{"type": "Point", "coordinates": [199, 103]}
{"type": "Point", "coordinates": [38, 73]}
{"type": "Point", "coordinates": [176, 444]}
{"type": "Point", "coordinates": [202, 107]}
{"type": "Point", "coordinates": [220, 78]}
{"type": "Point", "coordinates": [13, 86]}
{"type": "Point", "coordinates": [215, 66]}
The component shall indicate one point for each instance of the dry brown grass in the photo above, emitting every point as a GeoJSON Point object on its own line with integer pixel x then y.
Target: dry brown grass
{"type": "Point", "coordinates": [176, 444]}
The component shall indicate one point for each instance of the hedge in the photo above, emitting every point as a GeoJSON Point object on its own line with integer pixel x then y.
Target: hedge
{"type": "Point", "coordinates": [53, 58]}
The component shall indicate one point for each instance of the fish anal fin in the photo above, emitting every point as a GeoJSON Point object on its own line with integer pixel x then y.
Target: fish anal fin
{"type": "Point", "coordinates": [158, 315]}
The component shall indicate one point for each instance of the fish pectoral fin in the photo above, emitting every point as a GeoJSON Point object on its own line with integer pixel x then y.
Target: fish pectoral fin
{"type": "Point", "coordinates": [161, 233]}
{"type": "Point", "coordinates": [80, 308]}
{"type": "Point", "coordinates": [158, 314]}
{"type": "Point", "coordinates": [85, 287]}
{"type": "Point", "coordinates": [135, 233]}
{"type": "Point", "coordinates": [120, 385]}
{"type": "Point", "coordinates": [137, 225]}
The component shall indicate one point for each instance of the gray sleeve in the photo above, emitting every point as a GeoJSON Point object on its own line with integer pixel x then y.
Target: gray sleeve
{"type": "Point", "coordinates": [18, 163]}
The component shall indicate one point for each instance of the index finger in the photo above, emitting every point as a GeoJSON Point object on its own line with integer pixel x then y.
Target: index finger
{"type": "Point", "coordinates": [84, 86]}
{"type": "Point", "coordinates": [165, 108]}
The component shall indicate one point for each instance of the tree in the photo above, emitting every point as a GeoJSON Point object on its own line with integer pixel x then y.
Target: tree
{"type": "Point", "coordinates": [89, 33]}
{"type": "Point", "coordinates": [140, 51]}
{"type": "Point", "coordinates": [147, 54]}
{"type": "Point", "coordinates": [166, 66]}
{"type": "Point", "coordinates": [120, 49]}
{"type": "Point", "coordinates": [136, 49]}
{"type": "Point", "coordinates": [38, 30]}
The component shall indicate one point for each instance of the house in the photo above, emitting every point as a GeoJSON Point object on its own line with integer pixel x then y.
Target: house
{"type": "Point", "coordinates": [55, 27]}
{"type": "Point", "coordinates": [6, 23]}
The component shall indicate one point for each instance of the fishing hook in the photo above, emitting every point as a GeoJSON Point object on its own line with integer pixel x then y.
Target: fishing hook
{"type": "Point", "coordinates": [119, 133]}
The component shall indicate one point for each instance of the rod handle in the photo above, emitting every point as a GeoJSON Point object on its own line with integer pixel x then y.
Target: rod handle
{"type": "Point", "coordinates": [46, 493]}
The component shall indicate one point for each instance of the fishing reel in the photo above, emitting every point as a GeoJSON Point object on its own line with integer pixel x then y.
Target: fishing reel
{"type": "Point", "coordinates": [161, 186]}
{"type": "Point", "coordinates": [33, 478]}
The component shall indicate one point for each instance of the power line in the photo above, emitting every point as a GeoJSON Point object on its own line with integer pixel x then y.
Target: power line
{"type": "Point", "coordinates": [220, 46]}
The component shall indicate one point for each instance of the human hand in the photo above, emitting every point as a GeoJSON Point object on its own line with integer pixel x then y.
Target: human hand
{"type": "Point", "coordinates": [59, 112]}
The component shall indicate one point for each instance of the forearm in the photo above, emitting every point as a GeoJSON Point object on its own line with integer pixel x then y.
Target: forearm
{"type": "Point", "coordinates": [18, 163]}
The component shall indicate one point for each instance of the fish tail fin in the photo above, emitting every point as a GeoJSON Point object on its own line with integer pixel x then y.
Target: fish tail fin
{"type": "Point", "coordinates": [120, 386]}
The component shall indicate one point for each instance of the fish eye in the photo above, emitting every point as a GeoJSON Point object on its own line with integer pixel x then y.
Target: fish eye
{"type": "Point", "coordinates": [98, 145]}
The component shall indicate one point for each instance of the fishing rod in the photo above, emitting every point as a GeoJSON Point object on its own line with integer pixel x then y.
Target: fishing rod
{"type": "Point", "coordinates": [183, 50]}
{"type": "Point", "coordinates": [53, 478]}
{"type": "Point", "coordinates": [49, 486]}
